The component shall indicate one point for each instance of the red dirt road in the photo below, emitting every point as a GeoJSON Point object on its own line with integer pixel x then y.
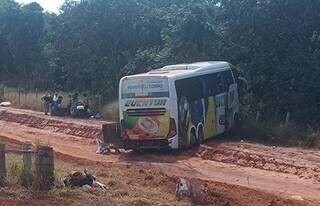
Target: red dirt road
{"type": "Point", "coordinates": [289, 173]}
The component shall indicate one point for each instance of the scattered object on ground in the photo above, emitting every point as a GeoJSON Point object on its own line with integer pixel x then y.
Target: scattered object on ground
{"type": "Point", "coordinates": [184, 189]}
{"type": "Point", "coordinates": [5, 104]}
{"type": "Point", "coordinates": [101, 185]}
{"type": "Point", "coordinates": [86, 187]}
{"type": "Point", "coordinates": [96, 116]}
{"type": "Point", "coordinates": [102, 147]}
{"type": "Point", "coordinates": [81, 179]}
{"type": "Point", "coordinates": [297, 197]}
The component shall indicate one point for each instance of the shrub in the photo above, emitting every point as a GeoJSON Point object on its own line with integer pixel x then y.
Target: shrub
{"type": "Point", "coordinates": [14, 171]}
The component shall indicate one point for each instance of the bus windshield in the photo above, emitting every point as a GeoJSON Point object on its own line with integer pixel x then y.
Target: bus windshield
{"type": "Point", "coordinates": [145, 87]}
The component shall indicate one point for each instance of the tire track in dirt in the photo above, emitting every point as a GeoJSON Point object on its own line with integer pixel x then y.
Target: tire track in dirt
{"type": "Point", "coordinates": [89, 132]}
{"type": "Point", "coordinates": [260, 161]}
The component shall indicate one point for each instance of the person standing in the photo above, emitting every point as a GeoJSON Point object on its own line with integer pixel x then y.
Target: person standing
{"type": "Point", "coordinates": [55, 97]}
{"type": "Point", "coordinates": [46, 99]}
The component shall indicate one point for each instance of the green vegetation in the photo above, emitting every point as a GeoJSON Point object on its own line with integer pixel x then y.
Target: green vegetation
{"type": "Point", "coordinates": [122, 188]}
{"type": "Point", "coordinates": [14, 170]}
{"type": "Point", "coordinates": [31, 99]}
{"type": "Point", "coordinates": [16, 173]}
{"type": "Point", "coordinates": [90, 44]}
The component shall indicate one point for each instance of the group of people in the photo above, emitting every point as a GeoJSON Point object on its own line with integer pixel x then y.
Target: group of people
{"type": "Point", "coordinates": [53, 105]}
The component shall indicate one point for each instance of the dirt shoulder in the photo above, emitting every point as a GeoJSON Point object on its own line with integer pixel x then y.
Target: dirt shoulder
{"type": "Point", "coordinates": [238, 170]}
{"type": "Point", "coordinates": [131, 184]}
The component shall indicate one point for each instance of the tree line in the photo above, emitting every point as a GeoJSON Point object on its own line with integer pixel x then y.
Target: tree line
{"type": "Point", "coordinates": [91, 44]}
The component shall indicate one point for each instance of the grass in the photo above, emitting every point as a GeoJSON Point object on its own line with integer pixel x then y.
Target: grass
{"type": "Point", "coordinates": [14, 169]}
{"type": "Point", "coordinates": [15, 172]}
{"type": "Point", "coordinates": [28, 99]}
{"type": "Point", "coordinates": [127, 185]}
{"type": "Point", "coordinates": [291, 134]}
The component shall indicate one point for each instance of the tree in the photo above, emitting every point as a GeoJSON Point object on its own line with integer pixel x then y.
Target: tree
{"type": "Point", "coordinates": [21, 33]}
{"type": "Point", "coordinates": [272, 41]}
{"type": "Point", "coordinates": [91, 44]}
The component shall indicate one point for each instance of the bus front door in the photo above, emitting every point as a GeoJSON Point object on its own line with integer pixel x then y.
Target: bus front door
{"type": "Point", "coordinates": [221, 113]}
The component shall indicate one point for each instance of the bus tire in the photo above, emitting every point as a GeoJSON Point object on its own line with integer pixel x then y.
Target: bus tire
{"type": "Point", "coordinates": [235, 130]}
{"type": "Point", "coordinates": [200, 138]}
{"type": "Point", "coordinates": [183, 142]}
{"type": "Point", "coordinates": [192, 138]}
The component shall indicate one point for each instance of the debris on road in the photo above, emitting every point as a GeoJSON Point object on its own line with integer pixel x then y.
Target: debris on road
{"type": "Point", "coordinates": [297, 197]}
{"type": "Point", "coordinates": [184, 189]}
{"type": "Point", "coordinates": [83, 180]}
{"type": "Point", "coordinates": [86, 188]}
{"type": "Point", "coordinates": [5, 104]}
{"type": "Point", "coordinates": [102, 147]}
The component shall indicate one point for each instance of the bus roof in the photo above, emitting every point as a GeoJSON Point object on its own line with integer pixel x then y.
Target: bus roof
{"type": "Point", "coordinates": [185, 70]}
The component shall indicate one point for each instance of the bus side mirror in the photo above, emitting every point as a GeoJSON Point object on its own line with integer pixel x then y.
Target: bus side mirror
{"type": "Point", "coordinates": [243, 84]}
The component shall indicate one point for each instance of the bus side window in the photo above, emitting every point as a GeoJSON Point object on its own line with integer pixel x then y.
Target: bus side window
{"type": "Point", "coordinates": [222, 84]}
{"type": "Point", "coordinates": [213, 84]}
{"type": "Point", "coordinates": [229, 78]}
{"type": "Point", "coordinates": [206, 88]}
{"type": "Point", "coordinates": [190, 88]}
{"type": "Point", "coordinates": [179, 87]}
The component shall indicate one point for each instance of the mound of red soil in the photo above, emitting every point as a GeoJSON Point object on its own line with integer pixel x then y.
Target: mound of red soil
{"type": "Point", "coordinates": [259, 161]}
{"type": "Point", "coordinates": [51, 124]}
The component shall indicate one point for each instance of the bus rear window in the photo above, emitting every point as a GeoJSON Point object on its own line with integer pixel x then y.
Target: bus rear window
{"type": "Point", "coordinates": [144, 87]}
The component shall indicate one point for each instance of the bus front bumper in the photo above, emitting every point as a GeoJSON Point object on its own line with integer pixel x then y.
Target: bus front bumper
{"type": "Point", "coordinates": [151, 144]}
{"type": "Point", "coordinates": [146, 144]}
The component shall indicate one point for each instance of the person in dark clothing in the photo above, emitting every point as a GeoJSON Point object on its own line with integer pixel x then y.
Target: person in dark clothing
{"type": "Point", "coordinates": [47, 100]}
{"type": "Point", "coordinates": [74, 103]}
{"type": "Point", "coordinates": [57, 107]}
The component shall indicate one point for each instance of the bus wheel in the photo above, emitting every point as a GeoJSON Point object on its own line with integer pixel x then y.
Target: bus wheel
{"type": "Point", "coordinates": [200, 138]}
{"type": "Point", "coordinates": [235, 130]}
{"type": "Point", "coordinates": [184, 141]}
{"type": "Point", "coordinates": [192, 139]}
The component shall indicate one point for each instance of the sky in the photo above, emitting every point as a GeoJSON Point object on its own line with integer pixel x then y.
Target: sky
{"type": "Point", "coordinates": [48, 5]}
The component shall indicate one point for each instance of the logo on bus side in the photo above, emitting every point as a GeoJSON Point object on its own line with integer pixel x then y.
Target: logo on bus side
{"type": "Point", "coordinates": [146, 103]}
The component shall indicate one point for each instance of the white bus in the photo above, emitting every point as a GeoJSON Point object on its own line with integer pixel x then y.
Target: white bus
{"type": "Point", "coordinates": [178, 106]}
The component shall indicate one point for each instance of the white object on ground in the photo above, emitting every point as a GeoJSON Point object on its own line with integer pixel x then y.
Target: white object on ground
{"type": "Point", "coordinates": [297, 197]}
{"type": "Point", "coordinates": [102, 147]}
{"type": "Point", "coordinates": [101, 185]}
{"type": "Point", "coordinates": [86, 188]}
{"type": "Point", "coordinates": [5, 104]}
{"type": "Point", "coordinates": [80, 107]}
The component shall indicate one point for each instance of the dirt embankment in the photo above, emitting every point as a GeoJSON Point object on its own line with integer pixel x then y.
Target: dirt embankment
{"type": "Point", "coordinates": [50, 124]}
{"type": "Point", "coordinates": [244, 155]}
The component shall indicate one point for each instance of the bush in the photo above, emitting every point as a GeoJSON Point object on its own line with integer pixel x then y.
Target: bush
{"type": "Point", "coordinates": [14, 171]}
